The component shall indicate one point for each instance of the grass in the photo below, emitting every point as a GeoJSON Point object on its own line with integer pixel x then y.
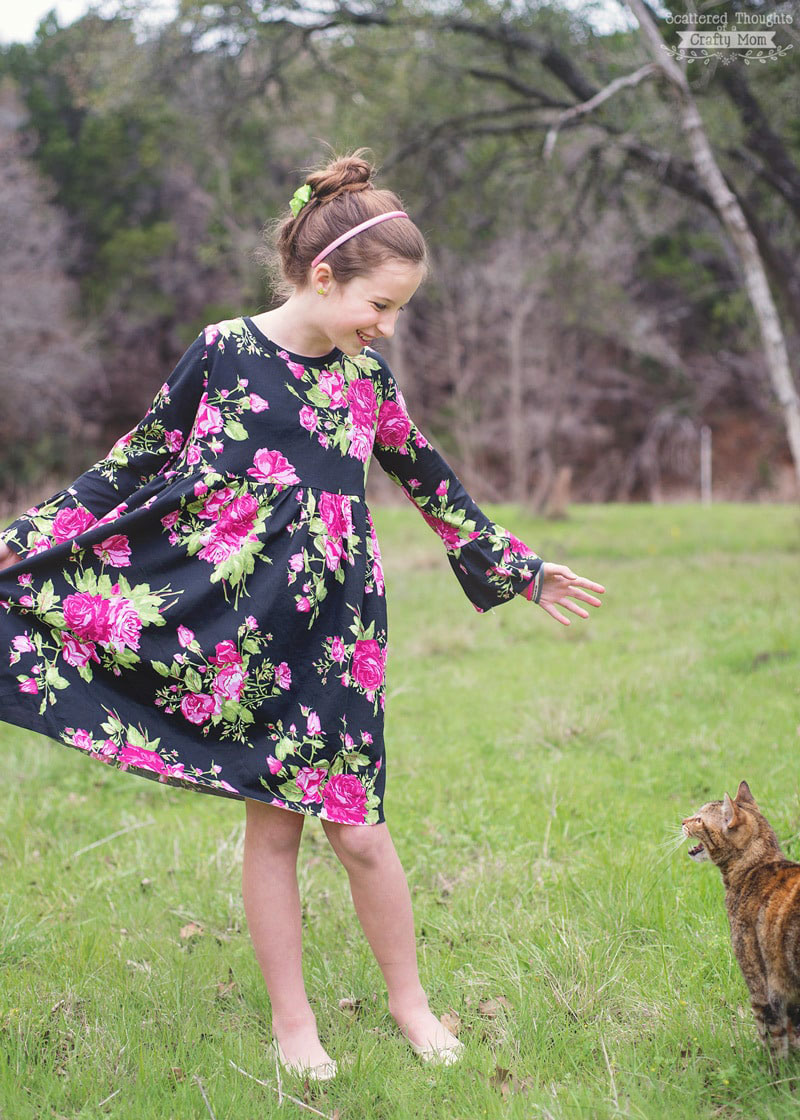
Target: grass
{"type": "Point", "coordinates": [536, 779]}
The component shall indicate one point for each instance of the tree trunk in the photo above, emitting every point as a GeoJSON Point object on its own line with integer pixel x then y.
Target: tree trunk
{"type": "Point", "coordinates": [735, 223]}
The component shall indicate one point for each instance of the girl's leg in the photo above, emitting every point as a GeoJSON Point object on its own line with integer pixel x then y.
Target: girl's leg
{"type": "Point", "coordinates": [383, 905]}
{"type": "Point", "coordinates": [272, 907]}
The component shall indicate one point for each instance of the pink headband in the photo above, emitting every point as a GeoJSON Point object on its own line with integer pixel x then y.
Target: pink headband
{"type": "Point", "coordinates": [356, 229]}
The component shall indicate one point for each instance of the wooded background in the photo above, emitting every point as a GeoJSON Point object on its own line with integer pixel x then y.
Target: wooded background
{"type": "Point", "coordinates": [586, 313]}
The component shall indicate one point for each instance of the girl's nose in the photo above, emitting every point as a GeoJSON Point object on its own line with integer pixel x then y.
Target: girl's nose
{"type": "Point", "coordinates": [386, 323]}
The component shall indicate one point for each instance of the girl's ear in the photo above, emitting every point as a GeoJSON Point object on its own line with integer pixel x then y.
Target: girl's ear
{"type": "Point", "coordinates": [322, 278]}
{"type": "Point", "coordinates": [730, 813]}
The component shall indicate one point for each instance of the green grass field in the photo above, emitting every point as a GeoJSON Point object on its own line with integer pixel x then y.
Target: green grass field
{"type": "Point", "coordinates": [537, 776]}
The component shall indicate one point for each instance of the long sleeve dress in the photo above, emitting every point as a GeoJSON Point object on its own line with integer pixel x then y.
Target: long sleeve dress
{"type": "Point", "coordinates": [205, 606]}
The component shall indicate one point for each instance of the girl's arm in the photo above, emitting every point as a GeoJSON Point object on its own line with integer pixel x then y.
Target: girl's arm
{"type": "Point", "coordinates": [491, 564]}
{"type": "Point", "coordinates": [144, 452]}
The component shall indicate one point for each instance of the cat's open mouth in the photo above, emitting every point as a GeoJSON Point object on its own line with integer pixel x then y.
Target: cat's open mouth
{"type": "Point", "coordinates": [697, 852]}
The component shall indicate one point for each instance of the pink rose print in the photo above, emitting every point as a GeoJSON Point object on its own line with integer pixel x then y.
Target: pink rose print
{"type": "Point", "coordinates": [174, 439]}
{"type": "Point", "coordinates": [185, 636]}
{"type": "Point", "coordinates": [78, 653]}
{"type": "Point", "coordinates": [283, 675]}
{"type": "Point", "coordinates": [29, 685]}
{"type": "Point", "coordinates": [517, 546]}
{"type": "Point", "coordinates": [88, 616]}
{"type": "Point", "coordinates": [308, 418]}
{"type": "Point", "coordinates": [69, 523]}
{"type": "Point", "coordinates": [275, 765]}
{"type": "Point", "coordinates": [197, 707]}
{"type": "Point", "coordinates": [331, 382]}
{"type": "Point", "coordinates": [257, 403]}
{"type": "Point", "coordinates": [296, 369]}
{"type": "Point", "coordinates": [271, 466]}
{"type": "Point", "coordinates": [144, 759]}
{"type": "Point", "coordinates": [337, 650]}
{"type": "Point", "coordinates": [115, 551]}
{"type": "Point", "coordinates": [304, 604]}
{"type": "Point", "coordinates": [229, 683]}
{"type": "Point", "coordinates": [345, 799]}
{"type": "Point", "coordinates": [337, 513]}
{"type": "Point", "coordinates": [362, 401]}
{"type": "Point", "coordinates": [367, 667]}
{"type": "Point", "coordinates": [448, 533]}
{"type": "Point", "coordinates": [309, 780]}
{"type": "Point", "coordinates": [393, 425]}
{"type": "Point", "coordinates": [209, 418]}
{"type": "Point", "coordinates": [124, 625]}
{"type": "Point", "coordinates": [226, 653]}
{"type": "Point", "coordinates": [212, 506]}
{"type": "Point", "coordinates": [314, 726]}
{"type": "Point", "coordinates": [23, 644]}
{"type": "Point", "coordinates": [211, 334]}
{"type": "Point", "coordinates": [360, 444]}
{"type": "Point", "coordinates": [296, 562]}
{"type": "Point", "coordinates": [82, 739]}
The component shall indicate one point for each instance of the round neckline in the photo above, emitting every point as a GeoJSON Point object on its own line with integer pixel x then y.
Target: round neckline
{"type": "Point", "coordinates": [308, 359]}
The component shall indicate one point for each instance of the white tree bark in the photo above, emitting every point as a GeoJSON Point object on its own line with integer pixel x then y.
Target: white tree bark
{"type": "Point", "coordinates": [734, 222]}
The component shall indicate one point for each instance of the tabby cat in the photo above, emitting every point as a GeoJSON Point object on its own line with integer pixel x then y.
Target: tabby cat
{"type": "Point", "coordinates": [762, 897]}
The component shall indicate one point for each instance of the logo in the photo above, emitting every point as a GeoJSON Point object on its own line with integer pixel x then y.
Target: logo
{"type": "Point", "coordinates": [751, 39]}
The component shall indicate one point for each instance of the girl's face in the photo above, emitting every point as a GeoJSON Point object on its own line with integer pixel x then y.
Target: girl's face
{"type": "Point", "coordinates": [366, 307]}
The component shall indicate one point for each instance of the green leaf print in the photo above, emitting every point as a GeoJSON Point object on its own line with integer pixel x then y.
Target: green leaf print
{"type": "Point", "coordinates": [235, 430]}
{"type": "Point", "coordinates": [193, 680]}
{"type": "Point", "coordinates": [160, 668]}
{"type": "Point", "coordinates": [290, 791]}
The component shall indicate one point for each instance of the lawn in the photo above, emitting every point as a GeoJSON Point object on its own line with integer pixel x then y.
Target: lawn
{"type": "Point", "coordinates": [536, 779]}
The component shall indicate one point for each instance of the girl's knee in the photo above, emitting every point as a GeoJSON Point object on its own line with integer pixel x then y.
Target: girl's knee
{"type": "Point", "coordinates": [359, 844]}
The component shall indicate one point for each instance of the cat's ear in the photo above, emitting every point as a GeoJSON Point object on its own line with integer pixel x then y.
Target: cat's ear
{"type": "Point", "coordinates": [730, 813]}
{"type": "Point", "coordinates": [743, 794]}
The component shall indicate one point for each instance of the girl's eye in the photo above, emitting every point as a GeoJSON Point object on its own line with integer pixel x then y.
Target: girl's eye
{"type": "Point", "coordinates": [379, 306]}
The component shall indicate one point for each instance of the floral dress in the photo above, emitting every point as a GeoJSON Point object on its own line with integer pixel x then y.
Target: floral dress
{"type": "Point", "coordinates": [206, 606]}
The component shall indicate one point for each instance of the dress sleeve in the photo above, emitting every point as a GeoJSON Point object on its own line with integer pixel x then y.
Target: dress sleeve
{"type": "Point", "coordinates": [147, 450]}
{"type": "Point", "coordinates": [491, 564]}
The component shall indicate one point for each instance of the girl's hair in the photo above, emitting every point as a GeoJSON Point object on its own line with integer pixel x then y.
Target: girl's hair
{"type": "Point", "coordinates": [342, 195]}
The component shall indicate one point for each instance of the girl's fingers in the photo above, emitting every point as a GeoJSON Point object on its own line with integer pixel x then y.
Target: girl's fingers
{"type": "Point", "coordinates": [584, 598]}
{"type": "Point", "coordinates": [567, 605]}
{"type": "Point", "coordinates": [579, 581]}
{"type": "Point", "coordinates": [554, 613]}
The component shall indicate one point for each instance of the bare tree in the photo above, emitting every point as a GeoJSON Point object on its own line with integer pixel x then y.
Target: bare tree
{"type": "Point", "coordinates": [733, 219]}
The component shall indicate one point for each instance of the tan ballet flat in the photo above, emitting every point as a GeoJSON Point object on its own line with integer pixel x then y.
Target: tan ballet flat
{"type": "Point", "coordinates": [322, 1071]}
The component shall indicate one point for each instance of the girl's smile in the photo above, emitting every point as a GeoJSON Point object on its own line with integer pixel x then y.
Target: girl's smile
{"type": "Point", "coordinates": [349, 316]}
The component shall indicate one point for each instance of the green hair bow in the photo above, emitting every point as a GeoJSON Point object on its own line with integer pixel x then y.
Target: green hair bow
{"type": "Point", "coordinates": [299, 199]}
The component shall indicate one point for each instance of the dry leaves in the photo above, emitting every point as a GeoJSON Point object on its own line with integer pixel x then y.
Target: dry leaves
{"type": "Point", "coordinates": [190, 930]}
{"type": "Point", "coordinates": [490, 1007]}
{"type": "Point", "coordinates": [351, 1006]}
{"type": "Point", "coordinates": [508, 1082]}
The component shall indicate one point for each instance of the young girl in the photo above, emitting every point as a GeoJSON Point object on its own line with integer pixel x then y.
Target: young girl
{"type": "Point", "coordinates": [205, 606]}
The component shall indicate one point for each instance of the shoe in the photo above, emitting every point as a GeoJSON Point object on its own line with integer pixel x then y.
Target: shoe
{"type": "Point", "coordinates": [444, 1056]}
{"type": "Point", "coordinates": [323, 1071]}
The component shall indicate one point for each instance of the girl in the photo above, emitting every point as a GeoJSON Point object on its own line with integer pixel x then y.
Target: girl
{"type": "Point", "coordinates": [205, 606]}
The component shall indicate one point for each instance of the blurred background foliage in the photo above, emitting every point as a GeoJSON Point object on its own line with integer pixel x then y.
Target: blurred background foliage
{"type": "Point", "coordinates": [585, 315]}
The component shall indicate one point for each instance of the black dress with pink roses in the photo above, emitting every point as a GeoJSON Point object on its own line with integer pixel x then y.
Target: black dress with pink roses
{"type": "Point", "coordinates": [206, 607]}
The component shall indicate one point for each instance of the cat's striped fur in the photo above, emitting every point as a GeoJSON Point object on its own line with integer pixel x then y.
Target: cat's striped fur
{"type": "Point", "coordinates": [762, 897]}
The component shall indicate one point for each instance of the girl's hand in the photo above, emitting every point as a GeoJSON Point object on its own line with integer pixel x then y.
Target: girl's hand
{"type": "Point", "coordinates": [7, 556]}
{"type": "Point", "coordinates": [559, 582]}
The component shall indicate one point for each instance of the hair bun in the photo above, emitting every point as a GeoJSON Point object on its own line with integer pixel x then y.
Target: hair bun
{"type": "Point", "coordinates": [349, 173]}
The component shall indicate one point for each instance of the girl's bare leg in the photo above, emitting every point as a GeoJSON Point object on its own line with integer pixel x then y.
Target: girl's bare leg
{"type": "Point", "coordinates": [272, 907]}
{"type": "Point", "coordinates": [383, 905]}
